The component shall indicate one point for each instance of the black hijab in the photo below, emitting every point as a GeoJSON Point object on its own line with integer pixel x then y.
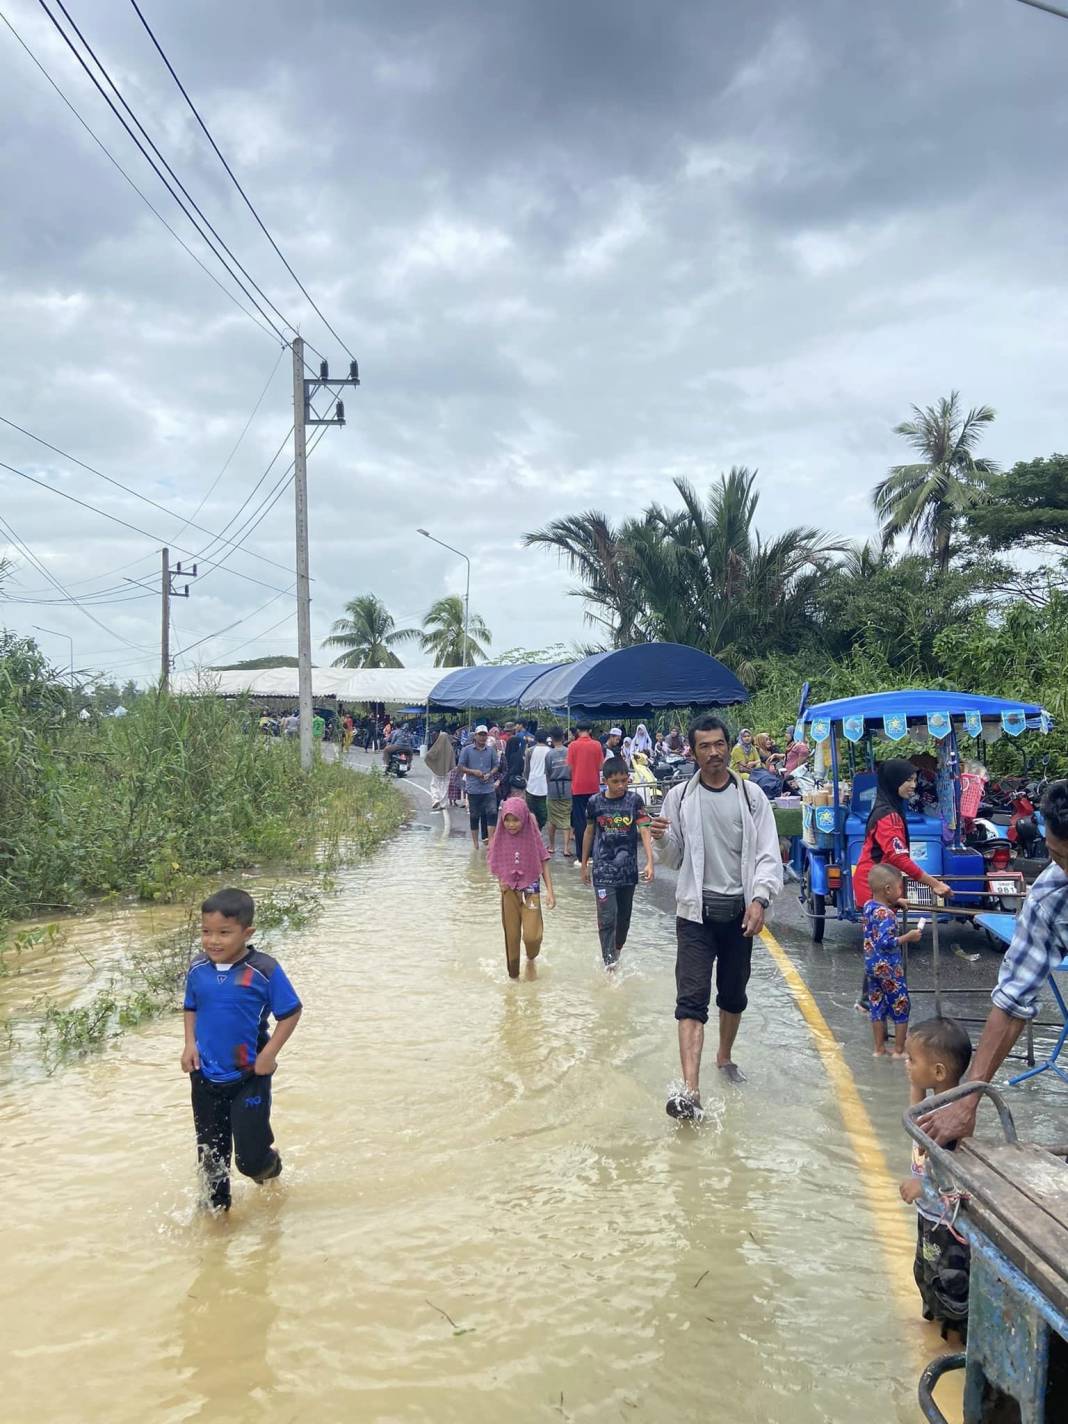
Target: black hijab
{"type": "Point", "coordinates": [890, 776]}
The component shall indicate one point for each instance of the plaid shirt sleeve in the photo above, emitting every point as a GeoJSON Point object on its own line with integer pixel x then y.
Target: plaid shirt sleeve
{"type": "Point", "coordinates": [1038, 945]}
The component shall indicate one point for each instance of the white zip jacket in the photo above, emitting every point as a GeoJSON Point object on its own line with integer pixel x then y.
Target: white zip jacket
{"type": "Point", "coordinates": [682, 847]}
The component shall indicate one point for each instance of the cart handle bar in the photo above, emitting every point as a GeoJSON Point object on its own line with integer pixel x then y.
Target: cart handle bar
{"type": "Point", "coordinates": [929, 1105]}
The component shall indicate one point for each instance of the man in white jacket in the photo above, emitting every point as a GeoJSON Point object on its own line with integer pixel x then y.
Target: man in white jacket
{"type": "Point", "coordinates": [718, 831]}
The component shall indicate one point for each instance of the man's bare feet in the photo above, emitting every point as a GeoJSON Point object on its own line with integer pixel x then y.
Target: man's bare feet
{"type": "Point", "coordinates": [880, 1053]}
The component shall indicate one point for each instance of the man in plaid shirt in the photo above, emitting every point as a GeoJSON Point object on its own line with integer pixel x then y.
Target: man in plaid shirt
{"type": "Point", "coordinates": [1038, 945]}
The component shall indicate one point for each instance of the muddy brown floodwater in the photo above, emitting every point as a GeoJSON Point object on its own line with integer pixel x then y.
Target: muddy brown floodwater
{"type": "Point", "coordinates": [485, 1214]}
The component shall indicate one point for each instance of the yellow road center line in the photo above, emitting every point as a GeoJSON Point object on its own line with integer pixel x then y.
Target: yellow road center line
{"type": "Point", "coordinates": [895, 1228]}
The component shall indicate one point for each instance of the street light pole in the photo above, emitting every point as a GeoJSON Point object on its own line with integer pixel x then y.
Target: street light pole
{"type": "Point", "coordinates": [467, 591]}
{"type": "Point", "coordinates": [57, 634]}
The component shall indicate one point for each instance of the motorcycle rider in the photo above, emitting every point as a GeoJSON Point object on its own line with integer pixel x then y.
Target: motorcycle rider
{"type": "Point", "coordinates": [400, 740]}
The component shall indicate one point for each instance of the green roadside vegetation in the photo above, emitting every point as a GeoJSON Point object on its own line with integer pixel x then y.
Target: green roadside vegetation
{"type": "Point", "coordinates": [156, 805]}
{"type": "Point", "coordinates": [148, 803]}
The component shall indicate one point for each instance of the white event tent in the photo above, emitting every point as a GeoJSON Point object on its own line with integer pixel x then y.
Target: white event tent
{"type": "Point", "coordinates": [399, 686]}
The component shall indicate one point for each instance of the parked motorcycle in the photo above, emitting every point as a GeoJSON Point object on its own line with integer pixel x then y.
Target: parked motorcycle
{"type": "Point", "coordinates": [1027, 826]}
{"type": "Point", "coordinates": [399, 761]}
{"type": "Point", "coordinates": [1004, 889]}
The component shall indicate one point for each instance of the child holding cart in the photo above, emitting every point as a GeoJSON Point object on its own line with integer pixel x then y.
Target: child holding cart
{"type": "Point", "coordinates": [884, 968]}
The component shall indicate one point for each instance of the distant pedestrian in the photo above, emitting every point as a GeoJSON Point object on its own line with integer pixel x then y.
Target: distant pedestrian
{"type": "Point", "coordinates": [584, 757]}
{"type": "Point", "coordinates": [537, 781]}
{"type": "Point", "coordinates": [519, 860]}
{"type": "Point", "coordinates": [440, 760]}
{"type": "Point", "coordinates": [558, 805]}
{"type": "Point", "coordinates": [231, 991]}
{"type": "Point", "coordinates": [615, 818]}
{"type": "Point", "coordinates": [479, 762]}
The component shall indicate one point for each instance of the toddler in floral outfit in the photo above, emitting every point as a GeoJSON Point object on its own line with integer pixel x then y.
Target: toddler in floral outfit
{"type": "Point", "coordinates": [888, 993]}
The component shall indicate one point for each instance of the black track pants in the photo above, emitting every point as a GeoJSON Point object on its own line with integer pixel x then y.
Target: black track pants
{"type": "Point", "coordinates": [232, 1117]}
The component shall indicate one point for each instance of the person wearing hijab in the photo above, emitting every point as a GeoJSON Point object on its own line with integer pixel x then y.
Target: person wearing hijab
{"type": "Point", "coordinates": [626, 751]}
{"type": "Point", "coordinates": [797, 754]}
{"type": "Point", "coordinates": [518, 857]}
{"type": "Point", "coordinates": [744, 755]}
{"type": "Point", "coordinates": [641, 741]}
{"type": "Point", "coordinates": [440, 760]}
{"type": "Point", "coordinates": [769, 757]}
{"type": "Point", "coordinates": [886, 840]}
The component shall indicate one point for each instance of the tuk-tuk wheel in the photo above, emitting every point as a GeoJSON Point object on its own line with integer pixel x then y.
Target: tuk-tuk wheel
{"type": "Point", "coordinates": [815, 907]}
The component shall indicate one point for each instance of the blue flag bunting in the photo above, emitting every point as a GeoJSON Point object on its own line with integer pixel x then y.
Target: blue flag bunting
{"type": "Point", "coordinates": [895, 725]}
{"type": "Point", "coordinates": [938, 724]}
{"type": "Point", "coordinates": [853, 727]}
{"type": "Point", "coordinates": [1014, 722]}
{"type": "Point", "coordinates": [973, 723]}
{"type": "Point", "coordinates": [820, 728]}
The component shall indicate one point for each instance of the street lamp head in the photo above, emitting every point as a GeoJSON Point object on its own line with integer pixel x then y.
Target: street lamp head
{"type": "Point", "coordinates": [424, 533]}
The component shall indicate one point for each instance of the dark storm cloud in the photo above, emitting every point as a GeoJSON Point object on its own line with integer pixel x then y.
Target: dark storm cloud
{"type": "Point", "coordinates": [580, 248]}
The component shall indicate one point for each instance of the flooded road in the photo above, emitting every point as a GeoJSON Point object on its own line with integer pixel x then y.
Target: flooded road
{"type": "Point", "coordinates": [485, 1214]}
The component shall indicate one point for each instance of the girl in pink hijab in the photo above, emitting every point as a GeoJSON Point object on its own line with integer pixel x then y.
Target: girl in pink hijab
{"type": "Point", "coordinates": [518, 858]}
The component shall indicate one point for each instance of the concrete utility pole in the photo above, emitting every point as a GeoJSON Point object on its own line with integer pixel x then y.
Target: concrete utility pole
{"type": "Point", "coordinates": [165, 624]}
{"type": "Point", "coordinates": [166, 594]}
{"type": "Point", "coordinates": [304, 415]}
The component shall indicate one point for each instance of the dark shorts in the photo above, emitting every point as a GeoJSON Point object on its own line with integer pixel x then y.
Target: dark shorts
{"type": "Point", "coordinates": [701, 948]}
{"type": "Point", "coordinates": [482, 806]}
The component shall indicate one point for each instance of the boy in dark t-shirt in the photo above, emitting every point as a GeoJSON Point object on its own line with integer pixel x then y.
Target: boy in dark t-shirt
{"type": "Point", "coordinates": [230, 992]}
{"type": "Point", "coordinates": [615, 818]}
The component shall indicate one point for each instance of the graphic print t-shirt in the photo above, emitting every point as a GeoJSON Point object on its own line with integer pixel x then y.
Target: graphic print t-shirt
{"type": "Point", "coordinates": [232, 1004]}
{"type": "Point", "coordinates": [614, 859]}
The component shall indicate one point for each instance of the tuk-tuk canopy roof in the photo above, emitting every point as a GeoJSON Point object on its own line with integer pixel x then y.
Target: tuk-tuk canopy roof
{"type": "Point", "coordinates": [921, 703]}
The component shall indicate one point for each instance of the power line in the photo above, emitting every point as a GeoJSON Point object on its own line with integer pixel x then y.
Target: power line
{"type": "Point", "coordinates": [234, 179]}
{"type": "Point", "coordinates": [127, 489]}
{"type": "Point", "coordinates": [270, 500]}
{"type": "Point", "coordinates": [25, 549]}
{"type": "Point", "coordinates": [156, 150]}
{"type": "Point", "coordinates": [147, 202]}
{"type": "Point", "coordinates": [236, 624]}
{"type": "Point", "coordinates": [52, 489]}
{"type": "Point", "coordinates": [1049, 9]}
{"type": "Point", "coordinates": [226, 464]}
{"type": "Point", "coordinates": [155, 167]}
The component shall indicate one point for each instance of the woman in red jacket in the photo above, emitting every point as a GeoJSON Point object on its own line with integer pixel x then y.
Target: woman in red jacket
{"type": "Point", "coordinates": [886, 839]}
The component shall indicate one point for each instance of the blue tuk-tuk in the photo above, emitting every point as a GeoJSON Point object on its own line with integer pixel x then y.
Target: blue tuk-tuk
{"type": "Point", "coordinates": [827, 853]}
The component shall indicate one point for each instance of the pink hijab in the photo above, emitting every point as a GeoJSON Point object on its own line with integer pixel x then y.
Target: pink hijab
{"type": "Point", "coordinates": [516, 860]}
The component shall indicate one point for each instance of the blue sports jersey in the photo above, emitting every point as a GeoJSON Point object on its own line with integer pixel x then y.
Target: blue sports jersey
{"type": "Point", "coordinates": [232, 1006]}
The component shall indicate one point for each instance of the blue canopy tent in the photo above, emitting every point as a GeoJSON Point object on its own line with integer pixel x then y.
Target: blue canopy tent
{"type": "Point", "coordinates": [646, 675]}
{"type": "Point", "coordinates": [487, 686]}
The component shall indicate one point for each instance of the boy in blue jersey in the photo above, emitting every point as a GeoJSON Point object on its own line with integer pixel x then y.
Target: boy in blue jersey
{"type": "Point", "coordinates": [230, 992]}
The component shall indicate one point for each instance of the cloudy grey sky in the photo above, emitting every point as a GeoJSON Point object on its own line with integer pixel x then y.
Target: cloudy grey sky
{"type": "Point", "coordinates": [579, 246]}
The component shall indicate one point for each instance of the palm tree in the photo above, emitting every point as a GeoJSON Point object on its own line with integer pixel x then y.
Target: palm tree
{"type": "Point", "coordinates": [443, 633]}
{"type": "Point", "coordinates": [599, 554]}
{"type": "Point", "coordinates": [367, 635]}
{"type": "Point", "coordinates": [708, 578]}
{"type": "Point", "coordinates": [924, 500]}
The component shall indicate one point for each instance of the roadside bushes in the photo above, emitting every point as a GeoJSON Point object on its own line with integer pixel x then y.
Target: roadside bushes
{"type": "Point", "coordinates": [178, 788]}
